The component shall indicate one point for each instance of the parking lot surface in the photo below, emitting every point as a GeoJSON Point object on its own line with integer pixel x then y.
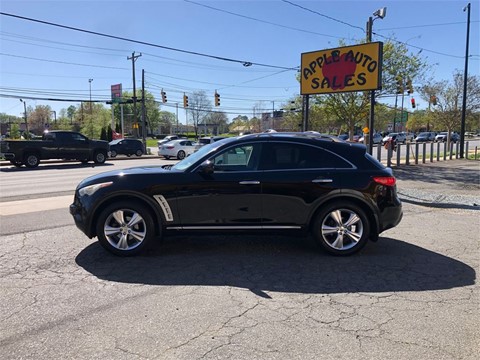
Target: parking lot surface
{"type": "Point", "coordinates": [411, 295]}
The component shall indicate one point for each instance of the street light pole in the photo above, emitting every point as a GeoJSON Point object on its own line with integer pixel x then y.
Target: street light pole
{"type": "Point", "coordinates": [26, 122]}
{"type": "Point", "coordinates": [379, 14]}
{"type": "Point", "coordinates": [465, 80]}
{"type": "Point", "coordinates": [91, 120]}
{"type": "Point", "coordinates": [90, 86]}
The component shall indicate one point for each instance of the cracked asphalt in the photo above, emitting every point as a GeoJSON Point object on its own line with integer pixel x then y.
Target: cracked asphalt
{"type": "Point", "coordinates": [411, 295]}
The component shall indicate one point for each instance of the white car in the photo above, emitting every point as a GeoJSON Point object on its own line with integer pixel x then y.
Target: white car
{"type": "Point", "coordinates": [177, 148]}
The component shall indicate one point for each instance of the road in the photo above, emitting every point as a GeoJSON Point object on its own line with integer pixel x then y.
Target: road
{"type": "Point", "coordinates": [411, 295]}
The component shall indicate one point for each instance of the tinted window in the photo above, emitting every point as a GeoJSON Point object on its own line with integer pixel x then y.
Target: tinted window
{"type": "Point", "coordinates": [239, 158]}
{"type": "Point", "coordinates": [298, 156]}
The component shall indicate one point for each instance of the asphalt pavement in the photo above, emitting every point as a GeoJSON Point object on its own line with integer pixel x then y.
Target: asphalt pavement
{"type": "Point", "coordinates": [447, 184]}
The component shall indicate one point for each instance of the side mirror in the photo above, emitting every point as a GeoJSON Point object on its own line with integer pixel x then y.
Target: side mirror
{"type": "Point", "coordinates": [207, 167]}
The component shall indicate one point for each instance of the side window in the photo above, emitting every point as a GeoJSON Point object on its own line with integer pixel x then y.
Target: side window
{"type": "Point", "coordinates": [77, 137]}
{"type": "Point", "coordinates": [239, 158]}
{"type": "Point", "coordinates": [49, 136]}
{"type": "Point", "coordinates": [285, 156]}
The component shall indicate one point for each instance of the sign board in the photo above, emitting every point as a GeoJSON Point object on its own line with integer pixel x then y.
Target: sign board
{"type": "Point", "coordinates": [344, 69]}
{"type": "Point", "coordinates": [116, 93]}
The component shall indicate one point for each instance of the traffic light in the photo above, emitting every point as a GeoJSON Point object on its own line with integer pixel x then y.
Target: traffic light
{"type": "Point", "coordinates": [217, 99]}
{"type": "Point", "coordinates": [399, 80]}
{"type": "Point", "coordinates": [433, 100]}
{"type": "Point", "coordinates": [185, 100]}
{"type": "Point", "coordinates": [164, 96]}
{"type": "Point", "coordinates": [413, 102]}
{"type": "Point", "coordinates": [410, 86]}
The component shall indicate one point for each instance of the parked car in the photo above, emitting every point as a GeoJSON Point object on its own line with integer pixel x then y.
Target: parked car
{"type": "Point", "coordinates": [397, 138]}
{"type": "Point", "coordinates": [260, 182]}
{"type": "Point", "coordinates": [168, 138]}
{"type": "Point", "coordinates": [208, 140]}
{"type": "Point", "coordinates": [177, 148]}
{"type": "Point", "coordinates": [57, 144]}
{"type": "Point", "coordinates": [442, 137]}
{"type": "Point", "coordinates": [408, 135]}
{"type": "Point", "coordinates": [343, 137]}
{"type": "Point", "coordinates": [425, 136]}
{"type": "Point", "coordinates": [127, 147]}
{"type": "Point", "coordinates": [377, 138]}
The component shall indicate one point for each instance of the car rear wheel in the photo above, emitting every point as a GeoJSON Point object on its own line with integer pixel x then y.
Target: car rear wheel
{"type": "Point", "coordinates": [181, 155]}
{"type": "Point", "coordinates": [341, 228]}
{"type": "Point", "coordinates": [31, 160]}
{"type": "Point", "coordinates": [100, 157]}
{"type": "Point", "coordinates": [125, 228]}
{"type": "Point", "coordinates": [139, 152]}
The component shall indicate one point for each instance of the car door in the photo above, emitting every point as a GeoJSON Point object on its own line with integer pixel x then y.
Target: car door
{"type": "Point", "coordinates": [228, 198]}
{"type": "Point", "coordinates": [74, 145]}
{"type": "Point", "coordinates": [295, 178]}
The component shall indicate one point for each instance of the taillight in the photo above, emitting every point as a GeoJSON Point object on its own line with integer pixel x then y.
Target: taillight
{"type": "Point", "coordinates": [385, 180]}
{"type": "Point", "coordinates": [170, 147]}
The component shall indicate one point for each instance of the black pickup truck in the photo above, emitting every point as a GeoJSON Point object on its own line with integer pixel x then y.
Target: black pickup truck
{"type": "Point", "coordinates": [54, 145]}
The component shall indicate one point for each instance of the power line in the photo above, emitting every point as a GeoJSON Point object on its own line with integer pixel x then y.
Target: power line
{"type": "Point", "coordinates": [63, 62]}
{"type": "Point", "coordinates": [243, 62]}
{"type": "Point", "coordinates": [261, 21]}
{"type": "Point", "coordinates": [323, 15]}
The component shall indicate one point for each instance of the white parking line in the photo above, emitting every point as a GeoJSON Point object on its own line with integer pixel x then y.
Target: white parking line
{"type": "Point", "coordinates": [34, 205]}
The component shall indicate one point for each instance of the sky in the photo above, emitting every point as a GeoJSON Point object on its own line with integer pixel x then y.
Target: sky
{"type": "Point", "coordinates": [194, 45]}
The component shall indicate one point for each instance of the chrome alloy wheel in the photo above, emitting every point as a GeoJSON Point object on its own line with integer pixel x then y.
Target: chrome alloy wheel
{"type": "Point", "coordinates": [342, 229]}
{"type": "Point", "coordinates": [125, 229]}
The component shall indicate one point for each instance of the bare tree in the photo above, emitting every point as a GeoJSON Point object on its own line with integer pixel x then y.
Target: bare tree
{"type": "Point", "coordinates": [199, 107]}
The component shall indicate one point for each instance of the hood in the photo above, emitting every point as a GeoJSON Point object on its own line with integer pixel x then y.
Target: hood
{"type": "Point", "coordinates": [116, 174]}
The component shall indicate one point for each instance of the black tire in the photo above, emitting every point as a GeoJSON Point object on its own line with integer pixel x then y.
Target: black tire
{"type": "Point", "coordinates": [181, 155]}
{"type": "Point", "coordinates": [167, 157]}
{"type": "Point", "coordinates": [31, 160]}
{"type": "Point", "coordinates": [113, 153]}
{"type": "Point", "coordinates": [139, 152]}
{"type": "Point", "coordinates": [84, 161]}
{"type": "Point", "coordinates": [16, 163]}
{"type": "Point", "coordinates": [125, 228]}
{"type": "Point", "coordinates": [99, 157]}
{"type": "Point", "coordinates": [341, 228]}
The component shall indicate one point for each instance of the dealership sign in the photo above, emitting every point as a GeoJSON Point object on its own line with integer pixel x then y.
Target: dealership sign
{"type": "Point", "coordinates": [349, 68]}
{"type": "Point", "coordinates": [116, 91]}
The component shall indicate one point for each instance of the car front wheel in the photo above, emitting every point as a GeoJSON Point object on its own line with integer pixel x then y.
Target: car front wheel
{"type": "Point", "coordinates": [113, 153]}
{"type": "Point", "coordinates": [341, 228]}
{"type": "Point", "coordinates": [125, 228]}
{"type": "Point", "coordinates": [139, 152]}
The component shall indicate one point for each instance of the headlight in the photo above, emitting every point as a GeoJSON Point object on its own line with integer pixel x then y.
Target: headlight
{"type": "Point", "coordinates": [91, 189]}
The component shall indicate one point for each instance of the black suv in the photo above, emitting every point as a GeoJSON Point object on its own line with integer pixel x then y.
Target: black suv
{"type": "Point", "coordinates": [127, 147]}
{"type": "Point", "coordinates": [258, 182]}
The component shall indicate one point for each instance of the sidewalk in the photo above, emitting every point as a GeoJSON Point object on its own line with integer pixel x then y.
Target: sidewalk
{"type": "Point", "coordinates": [451, 183]}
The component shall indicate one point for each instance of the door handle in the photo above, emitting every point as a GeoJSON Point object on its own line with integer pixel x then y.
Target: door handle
{"type": "Point", "coordinates": [250, 182]}
{"type": "Point", "coordinates": [316, 181]}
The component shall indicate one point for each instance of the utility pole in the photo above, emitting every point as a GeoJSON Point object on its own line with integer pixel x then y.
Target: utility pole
{"type": "Point", "coordinates": [465, 79]}
{"type": "Point", "coordinates": [144, 123]}
{"type": "Point", "coordinates": [134, 97]}
{"type": "Point", "coordinates": [379, 14]}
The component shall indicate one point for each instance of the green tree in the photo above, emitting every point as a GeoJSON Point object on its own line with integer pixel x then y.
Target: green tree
{"type": "Point", "coordinates": [446, 114]}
